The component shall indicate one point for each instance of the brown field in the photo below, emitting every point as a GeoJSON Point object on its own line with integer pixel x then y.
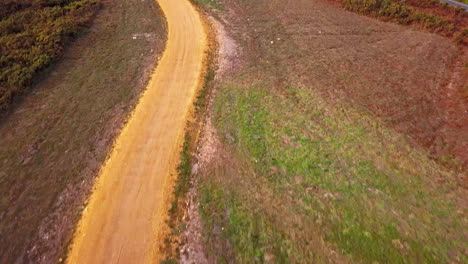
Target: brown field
{"type": "Point", "coordinates": [54, 140]}
{"type": "Point", "coordinates": [336, 138]}
{"type": "Point", "coordinates": [398, 74]}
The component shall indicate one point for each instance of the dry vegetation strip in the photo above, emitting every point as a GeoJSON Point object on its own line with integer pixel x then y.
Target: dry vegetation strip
{"type": "Point", "coordinates": [332, 133]}
{"type": "Point", "coordinates": [33, 34]}
{"type": "Point", "coordinates": [430, 15]}
{"type": "Point", "coordinates": [55, 139]}
{"type": "Point", "coordinates": [177, 212]}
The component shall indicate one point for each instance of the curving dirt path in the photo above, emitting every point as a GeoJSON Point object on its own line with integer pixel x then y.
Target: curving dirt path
{"type": "Point", "coordinates": [127, 207]}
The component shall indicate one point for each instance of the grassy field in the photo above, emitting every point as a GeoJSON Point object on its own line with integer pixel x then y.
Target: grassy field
{"type": "Point", "coordinates": [329, 179]}
{"type": "Point", "coordinates": [54, 140]}
{"type": "Point", "coordinates": [333, 148]}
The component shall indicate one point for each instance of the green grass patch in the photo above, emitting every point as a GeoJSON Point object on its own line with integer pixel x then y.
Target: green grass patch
{"type": "Point", "coordinates": [372, 193]}
{"type": "Point", "coordinates": [184, 170]}
{"type": "Point", "coordinates": [253, 240]}
{"type": "Point", "coordinates": [210, 3]}
{"type": "Point", "coordinates": [182, 185]}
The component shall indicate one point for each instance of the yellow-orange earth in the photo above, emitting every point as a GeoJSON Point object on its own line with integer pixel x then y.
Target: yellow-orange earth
{"type": "Point", "coordinates": [127, 207]}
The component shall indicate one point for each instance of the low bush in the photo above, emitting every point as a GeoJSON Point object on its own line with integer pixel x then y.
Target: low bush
{"type": "Point", "coordinates": [402, 13]}
{"type": "Point", "coordinates": [462, 37]}
{"type": "Point", "coordinates": [32, 35]}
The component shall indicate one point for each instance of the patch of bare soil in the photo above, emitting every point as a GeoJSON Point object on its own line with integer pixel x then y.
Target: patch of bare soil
{"type": "Point", "coordinates": [208, 151]}
{"type": "Point", "coordinates": [453, 133]}
{"type": "Point", "coordinates": [192, 250]}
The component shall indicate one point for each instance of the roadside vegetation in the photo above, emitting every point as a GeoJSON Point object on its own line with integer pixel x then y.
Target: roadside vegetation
{"type": "Point", "coordinates": [177, 215]}
{"type": "Point", "coordinates": [330, 151]}
{"type": "Point", "coordinates": [33, 34]}
{"type": "Point", "coordinates": [216, 5]}
{"type": "Point", "coordinates": [55, 138]}
{"type": "Point", "coordinates": [430, 15]}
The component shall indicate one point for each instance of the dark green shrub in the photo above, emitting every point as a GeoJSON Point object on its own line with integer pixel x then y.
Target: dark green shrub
{"type": "Point", "coordinates": [402, 13]}
{"type": "Point", "coordinates": [32, 35]}
{"type": "Point", "coordinates": [462, 37]}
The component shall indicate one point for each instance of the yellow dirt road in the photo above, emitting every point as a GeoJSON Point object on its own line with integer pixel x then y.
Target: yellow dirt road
{"type": "Point", "coordinates": [126, 209]}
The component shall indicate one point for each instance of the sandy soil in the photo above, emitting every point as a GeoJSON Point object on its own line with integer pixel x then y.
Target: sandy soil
{"type": "Point", "coordinates": [127, 207]}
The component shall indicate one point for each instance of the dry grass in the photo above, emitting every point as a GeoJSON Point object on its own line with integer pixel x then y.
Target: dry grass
{"type": "Point", "coordinates": [338, 144]}
{"type": "Point", "coordinates": [54, 140]}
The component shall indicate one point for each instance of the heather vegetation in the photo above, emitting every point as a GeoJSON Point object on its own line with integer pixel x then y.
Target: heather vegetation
{"type": "Point", "coordinates": [33, 34]}
{"type": "Point", "coordinates": [448, 21]}
{"type": "Point", "coordinates": [398, 11]}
